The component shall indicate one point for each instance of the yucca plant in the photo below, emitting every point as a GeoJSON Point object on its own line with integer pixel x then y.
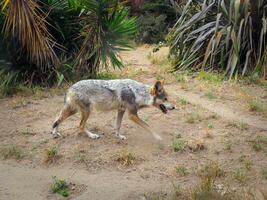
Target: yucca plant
{"type": "Point", "coordinates": [221, 35]}
{"type": "Point", "coordinates": [47, 40]}
{"type": "Point", "coordinates": [106, 30]}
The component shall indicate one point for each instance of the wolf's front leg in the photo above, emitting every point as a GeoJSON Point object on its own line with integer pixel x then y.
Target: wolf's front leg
{"type": "Point", "coordinates": [134, 117]}
{"type": "Point", "coordinates": [118, 124]}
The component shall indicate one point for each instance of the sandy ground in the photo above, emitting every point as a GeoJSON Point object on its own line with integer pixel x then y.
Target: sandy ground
{"type": "Point", "coordinates": [91, 164]}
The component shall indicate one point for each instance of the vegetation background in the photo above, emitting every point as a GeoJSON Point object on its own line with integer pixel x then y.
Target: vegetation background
{"type": "Point", "coordinates": [47, 42]}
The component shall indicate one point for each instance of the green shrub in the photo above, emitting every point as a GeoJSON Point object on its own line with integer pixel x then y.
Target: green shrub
{"type": "Point", "coordinates": [221, 35]}
{"type": "Point", "coordinates": [60, 186]}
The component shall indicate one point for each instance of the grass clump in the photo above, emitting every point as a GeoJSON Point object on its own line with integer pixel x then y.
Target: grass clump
{"type": "Point", "coordinates": [210, 77]}
{"type": "Point", "coordinates": [181, 170]}
{"type": "Point", "coordinates": [125, 158]}
{"type": "Point", "coordinates": [259, 143]}
{"type": "Point", "coordinates": [51, 155]}
{"type": "Point", "coordinates": [12, 152]}
{"type": "Point", "coordinates": [179, 145]}
{"type": "Point", "coordinates": [60, 186]}
{"type": "Point", "coordinates": [228, 146]}
{"type": "Point", "coordinates": [210, 95]}
{"type": "Point", "coordinates": [212, 171]}
{"type": "Point", "coordinates": [264, 173]}
{"type": "Point", "coordinates": [257, 105]}
{"type": "Point", "coordinates": [27, 132]}
{"type": "Point", "coordinates": [240, 176]}
{"type": "Point", "coordinates": [106, 76]}
{"type": "Point", "coordinates": [158, 60]}
{"type": "Point", "coordinates": [193, 118]}
{"type": "Point", "coordinates": [183, 101]}
{"type": "Point", "coordinates": [239, 125]}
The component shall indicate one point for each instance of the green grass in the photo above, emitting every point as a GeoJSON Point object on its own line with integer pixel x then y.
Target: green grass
{"type": "Point", "coordinates": [228, 146]}
{"type": "Point", "coordinates": [193, 118]}
{"type": "Point", "coordinates": [239, 125]}
{"type": "Point", "coordinates": [181, 170]}
{"type": "Point", "coordinates": [206, 189]}
{"type": "Point", "coordinates": [12, 152]}
{"type": "Point", "coordinates": [259, 143]}
{"type": "Point", "coordinates": [159, 60]}
{"type": "Point", "coordinates": [106, 76]}
{"type": "Point", "coordinates": [27, 132]}
{"type": "Point", "coordinates": [240, 176]}
{"type": "Point", "coordinates": [179, 145]}
{"type": "Point", "coordinates": [212, 170]}
{"type": "Point", "coordinates": [242, 158]}
{"type": "Point", "coordinates": [210, 95]}
{"type": "Point", "coordinates": [210, 77]}
{"type": "Point", "coordinates": [183, 101]}
{"type": "Point", "coordinates": [257, 105]}
{"type": "Point", "coordinates": [125, 158]}
{"type": "Point", "coordinates": [210, 126]}
{"type": "Point", "coordinates": [51, 155]}
{"type": "Point", "coordinates": [257, 146]}
{"type": "Point", "coordinates": [60, 186]}
{"type": "Point", "coordinates": [264, 173]}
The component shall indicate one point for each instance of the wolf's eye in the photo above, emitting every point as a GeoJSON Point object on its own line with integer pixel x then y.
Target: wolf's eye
{"type": "Point", "coordinates": [165, 99]}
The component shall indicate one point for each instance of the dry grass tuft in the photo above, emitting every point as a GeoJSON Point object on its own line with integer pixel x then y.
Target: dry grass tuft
{"type": "Point", "coordinates": [124, 158]}
{"type": "Point", "coordinates": [51, 155]}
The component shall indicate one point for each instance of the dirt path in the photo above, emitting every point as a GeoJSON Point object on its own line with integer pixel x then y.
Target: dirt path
{"type": "Point", "coordinates": [25, 123]}
{"type": "Point", "coordinates": [223, 109]}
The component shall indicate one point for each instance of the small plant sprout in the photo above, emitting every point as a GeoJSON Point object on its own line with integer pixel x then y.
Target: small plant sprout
{"type": "Point", "coordinates": [210, 126]}
{"type": "Point", "coordinates": [51, 155]}
{"type": "Point", "coordinates": [264, 173]}
{"type": "Point", "coordinates": [240, 176]}
{"type": "Point", "coordinates": [125, 158]}
{"type": "Point", "coordinates": [179, 145]}
{"type": "Point", "coordinates": [210, 95]}
{"type": "Point", "coordinates": [60, 186]}
{"type": "Point", "coordinates": [12, 152]}
{"type": "Point", "coordinates": [181, 170]}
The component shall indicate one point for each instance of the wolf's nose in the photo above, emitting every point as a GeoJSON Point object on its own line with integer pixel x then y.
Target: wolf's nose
{"type": "Point", "coordinates": [173, 107]}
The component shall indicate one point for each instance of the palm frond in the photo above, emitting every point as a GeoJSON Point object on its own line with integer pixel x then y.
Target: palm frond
{"type": "Point", "coordinates": [106, 29]}
{"type": "Point", "coordinates": [26, 22]}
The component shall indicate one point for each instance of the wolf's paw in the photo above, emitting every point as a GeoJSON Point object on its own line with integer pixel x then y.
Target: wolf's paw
{"type": "Point", "coordinates": [56, 135]}
{"type": "Point", "coordinates": [92, 135]}
{"type": "Point", "coordinates": [156, 136]}
{"type": "Point", "coordinates": [122, 137]}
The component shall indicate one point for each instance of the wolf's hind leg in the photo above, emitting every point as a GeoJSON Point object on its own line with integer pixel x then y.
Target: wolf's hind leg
{"type": "Point", "coordinates": [118, 124]}
{"type": "Point", "coordinates": [85, 116]}
{"type": "Point", "coordinates": [67, 111]}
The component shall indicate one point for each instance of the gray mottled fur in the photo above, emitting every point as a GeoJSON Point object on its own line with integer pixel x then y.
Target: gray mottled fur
{"type": "Point", "coordinates": [121, 95]}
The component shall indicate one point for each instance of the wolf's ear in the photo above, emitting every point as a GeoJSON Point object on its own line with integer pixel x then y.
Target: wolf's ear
{"type": "Point", "coordinates": [158, 86]}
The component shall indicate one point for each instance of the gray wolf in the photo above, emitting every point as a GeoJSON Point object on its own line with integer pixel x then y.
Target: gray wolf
{"type": "Point", "coordinates": [121, 95]}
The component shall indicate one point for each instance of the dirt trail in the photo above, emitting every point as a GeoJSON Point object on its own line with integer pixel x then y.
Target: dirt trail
{"type": "Point", "coordinates": [91, 162]}
{"type": "Point", "coordinates": [222, 109]}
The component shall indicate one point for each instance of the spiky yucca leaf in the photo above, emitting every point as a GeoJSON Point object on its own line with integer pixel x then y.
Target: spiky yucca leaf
{"type": "Point", "coordinates": [221, 35]}
{"type": "Point", "coordinates": [106, 29]}
{"type": "Point", "coordinates": [26, 22]}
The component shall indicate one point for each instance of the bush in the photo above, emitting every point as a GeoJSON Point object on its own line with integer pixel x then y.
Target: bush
{"type": "Point", "coordinates": [221, 35]}
{"type": "Point", "coordinates": [151, 28]}
{"type": "Point", "coordinates": [47, 42]}
{"type": "Point", "coordinates": [154, 20]}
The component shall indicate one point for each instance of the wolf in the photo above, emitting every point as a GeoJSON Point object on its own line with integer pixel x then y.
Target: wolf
{"type": "Point", "coordinates": [104, 95]}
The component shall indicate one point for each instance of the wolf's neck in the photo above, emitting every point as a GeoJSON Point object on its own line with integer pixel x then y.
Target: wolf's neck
{"type": "Point", "coordinates": [145, 99]}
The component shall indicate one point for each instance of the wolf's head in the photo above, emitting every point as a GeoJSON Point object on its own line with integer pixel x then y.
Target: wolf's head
{"type": "Point", "coordinates": [160, 97]}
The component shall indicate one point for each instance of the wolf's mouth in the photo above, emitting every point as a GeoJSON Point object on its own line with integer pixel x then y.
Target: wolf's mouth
{"type": "Point", "coordinates": [163, 108]}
